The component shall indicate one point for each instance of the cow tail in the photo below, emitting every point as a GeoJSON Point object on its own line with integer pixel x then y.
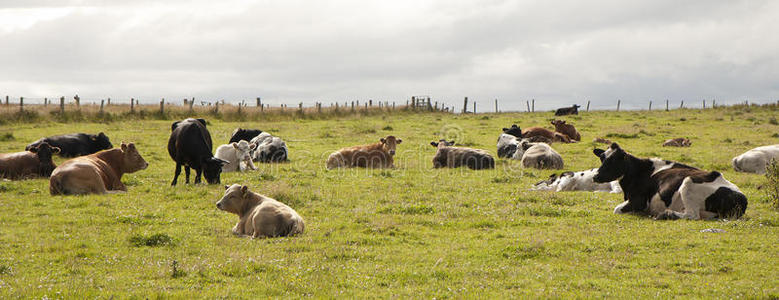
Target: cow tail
{"type": "Point", "coordinates": [55, 186]}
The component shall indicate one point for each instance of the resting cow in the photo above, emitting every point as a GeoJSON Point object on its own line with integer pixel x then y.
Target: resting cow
{"type": "Point", "coordinates": [235, 154]}
{"type": "Point", "coordinates": [566, 129]}
{"type": "Point", "coordinates": [508, 141]}
{"type": "Point", "coordinates": [35, 162]}
{"type": "Point", "coordinates": [667, 189]}
{"type": "Point", "coordinates": [75, 144]}
{"type": "Point", "coordinates": [378, 155]}
{"type": "Point", "coordinates": [677, 142]}
{"type": "Point", "coordinates": [543, 135]}
{"type": "Point", "coordinates": [190, 146]}
{"type": "Point", "coordinates": [576, 181]}
{"type": "Point", "coordinates": [573, 110]}
{"type": "Point", "coordinates": [97, 173]}
{"type": "Point", "coordinates": [259, 216]}
{"type": "Point", "coordinates": [269, 148]}
{"type": "Point", "coordinates": [538, 155]}
{"type": "Point", "coordinates": [243, 134]}
{"type": "Point", "coordinates": [756, 160]}
{"type": "Point", "coordinates": [452, 157]}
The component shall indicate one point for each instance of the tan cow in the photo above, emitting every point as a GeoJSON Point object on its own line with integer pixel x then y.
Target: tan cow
{"type": "Point", "coordinates": [677, 142]}
{"type": "Point", "coordinates": [97, 173]}
{"type": "Point", "coordinates": [453, 157]}
{"type": "Point", "coordinates": [378, 155]}
{"type": "Point", "coordinates": [543, 135]}
{"type": "Point", "coordinates": [601, 140]}
{"type": "Point", "coordinates": [259, 216]}
{"type": "Point", "coordinates": [566, 129]}
{"type": "Point", "coordinates": [35, 162]}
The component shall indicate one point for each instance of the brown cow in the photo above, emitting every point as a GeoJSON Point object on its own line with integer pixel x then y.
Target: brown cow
{"type": "Point", "coordinates": [543, 135]}
{"type": "Point", "coordinates": [601, 140]}
{"type": "Point", "coordinates": [259, 216]}
{"type": "Point", "coordinates": [566, 129]}
{"type": "Point", "coordinates": [97, 173]}
{"type": "Point", "coordinates": [677, 142]}
{"type": "Point", "coordinates": [35, 162]}
{"type": "Point", "coordinates": [453, 157]}
{"type": "Point", "coordinates": [378, 155]}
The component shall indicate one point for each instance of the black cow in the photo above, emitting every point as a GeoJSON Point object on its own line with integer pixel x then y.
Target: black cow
{"type": "Point", "coordinates": [243, 134]}
{"type": "Point", "coordinates": [573, 110]}
{"type": "Point", "coordinates": [75, 144]}
{"type": "Point", "coordinates": [668, 190]}
{"type": "Point", "coordinates": [190, 145]}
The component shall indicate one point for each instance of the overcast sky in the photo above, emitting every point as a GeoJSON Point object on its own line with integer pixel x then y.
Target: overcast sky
{"type": "Point", "coordinates": [558, 52]}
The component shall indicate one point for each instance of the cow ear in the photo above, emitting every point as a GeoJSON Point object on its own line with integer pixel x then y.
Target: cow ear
{"type": "Point", "coordinates": [202, 121]}
{"type": "Point", "coordinates": [124, 146]}
{"type": "Point", "coordinates": [382, 140]}
{"type": "Point", "coordinates": [399, 141]}
{"type": "Point", "coordinates": [244, 190]}
{"type": "Point", "coordinates": [234, 144]}
{"type": "Point", "coordinates": [505, 129]}
{"type": "Point", "coordinates": [253, 146]}
{"type": "Point", "coordinates": [451, 142]}
{"type": "Point", "coordinates": [514, 126]}
{"type": "Point", "coordinates": [101, 135]}
{"type": "Point", "coordinates": [598, 152]}
{"type": "Point", "coordinates": [93, 138]}
{"type": "Point", "coordinates": [33, 149]}
{"type": "Point", "coordinates": [227, 187]}
{"type": "Point", "coordinates": [434, 144]}
{"type": "Point", "coordinates": [614, 146]}
{"type": "Point", "coordinates": [55, 150]}
{"type": "Point", "coordinates": [173, 126]}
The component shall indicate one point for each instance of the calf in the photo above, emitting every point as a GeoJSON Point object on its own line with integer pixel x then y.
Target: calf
{"type": "Point", "coordinates": [97, 173]}
{"type": "Point", "coordinates": [190, 145]}
{"type": "Point", "coordinates": [538, 156]}
{"type": "Point", "coordinates": [75, 144]}
{"type": "Point", "coordinates": [453, 157]}
{"type": "Point", "coordinates": [573, 110]}
{"type": "Point", "coordinates": [756, 160]}
{"type": "Point", "coordinates": [269, 148]}
{"type": "Point", "coordinates": [677, 142]}
{"type": "Point", "coordinates": [243, 134]}
{"type": "Point", "coordinates": [543, 135]}
{"type": "Point", "coordinates": [234, 154]}
{"type": "Point", "coordinates": [576, 181]}
{"type": "Point", "coordinates": [35, 162]}
{"type": "Point", "coordinates": [566, 129]}
{"type": "Point", "coordinates": [378, 155]}
{"type": "Point", "coordinates": [668, 190]}
{"type": "Point", "coordinates": [259, 216]}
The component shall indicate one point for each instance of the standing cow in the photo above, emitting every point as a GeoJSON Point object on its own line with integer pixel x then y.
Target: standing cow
{"type": "Point", "coordinates": [97, 173]}
{"type": "Point", "coordinates": [378, 155]}
{"type": "Point", "coordinates": [190, 145]}
{"type": "Point", "coordinates": [75, 144]}
{"type": "Point", "coordinates": [447, 156]}
{"type": "Point", "coordinates": [573, 110]}
{"type": "Point", "coordinates": [35, 162]}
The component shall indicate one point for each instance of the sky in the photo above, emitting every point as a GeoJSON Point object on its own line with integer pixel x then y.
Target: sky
{"type": "Point", "coordinates": [557, 52]}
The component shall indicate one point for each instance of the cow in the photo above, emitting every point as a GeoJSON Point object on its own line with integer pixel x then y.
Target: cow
{"type": "Point", "coordinates": [234, 154]}
{"type": "Point", "coordinates": [377, 155]}
{"type": "Point", "coordinates": [677, 142]}
{"type": "Point", "coordinates": [259, 216]}
{"type": "Point", "coordinates": [97, 173]}
{"type": "Point", "coordinates": [75, 144]}
{"type": "Point", "coordinates": [538, 155]}
{"type": "Point", "coordinates": [243, 134]}
{"type": "Point", "coordinates": [508, 141]}
{"type": "Point", "coordinates": [543, 135]}
{"type": "Point", "coordinates": [190, 146]}
{"type": "Point", "coordinates": [576, 181]}
{"type": "Point", "coordinates": [35, 162]}
{"type": "Point", "coordinates": [573, 110]}
{"type": "Point", "coordinates": [668, 190]}
{"type": "Point", "coordinates": [269, 148]}
{"type": "Point", "coordinates": [567, 130]}
{"type": "Point", "coordinates": [756, 160]}
{"type": "Point", "coordinates": [452, 157]}
{"type": "Point", "coordinates": [601, 140]}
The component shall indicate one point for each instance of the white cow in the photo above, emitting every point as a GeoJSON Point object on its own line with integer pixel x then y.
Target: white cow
{"type": "Point", "coordinates": [235, 154]}
{"type": "Point", "coordinates": [576, 181]}
{"type": "Point", "coordinates": [538, 155]}
{"type": "Point", "coordinates": [756, 160]}
{"type": "Point", "coordinates": [269, 148]}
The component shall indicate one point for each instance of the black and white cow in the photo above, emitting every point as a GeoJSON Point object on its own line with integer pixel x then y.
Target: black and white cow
{"type": "Point", "coordinates": [508, 141]}
{"type": "Point", "coordinates": [667, 189]}
{"type": "Point", "coordinates": [576, 181]}
{"type": "Point", "coordinates": [269, 148]}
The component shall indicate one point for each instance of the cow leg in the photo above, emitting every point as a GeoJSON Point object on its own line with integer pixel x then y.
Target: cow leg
{"type": "Point", "coordinates": [622, 208]}
{"type": "Point", "coordinates": [692, 204]}
{"type": "Point", "coordinates": [198, 172]}
{"type": "Point", "coordinates": [250, 164]}
{"type": "Point", "coordinates": [176, 174]}
{"type": "Point", "coordinates": [186, 174]}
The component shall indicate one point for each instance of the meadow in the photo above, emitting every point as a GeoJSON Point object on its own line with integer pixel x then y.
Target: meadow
{"type": "Point", "coordinates": [410, 232]}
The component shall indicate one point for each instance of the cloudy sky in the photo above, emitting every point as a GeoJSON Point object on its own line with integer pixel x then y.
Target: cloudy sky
{"type": "Point", "coordinates": [558, 52]}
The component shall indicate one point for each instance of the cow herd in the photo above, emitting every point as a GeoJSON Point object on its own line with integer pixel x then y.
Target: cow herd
{"type": "Point", "coordinates": [661, 188]}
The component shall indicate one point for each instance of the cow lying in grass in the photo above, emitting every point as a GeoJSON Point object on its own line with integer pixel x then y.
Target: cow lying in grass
{"type": "Point", "coordinates": [453, 157]}
{"type": "Point", "coordinates": [677, 142]}
{"type": "Point", "coordinates": [566, 129]}
{"type": "Point", "coordinates": [508, 141]}
{"type": "Point", "coordinates": [35, 162]}
{"type": "Point", "coordinates": [576, 181]}
{"type": "Point", "coordinates": [235, 154]}
{"type": "Point", "coordinates": [97, 173]}
{"type": "Point", "coordinates": [668, 190]}
{"type": "Point", "coordinates": [538, 156]}
{"type": "Point", "coordinates": [756, 160]}
{"type": "Point", "coordinates": [378, 155]}
{"type": "Point", "coordinates": [543, 135]}
{"type": "Point", "coordinates": [75, 144]}
{"type": "Point", "coordinates": [269, 148]}
{"type": "Point", "coordinates": [259, 216]}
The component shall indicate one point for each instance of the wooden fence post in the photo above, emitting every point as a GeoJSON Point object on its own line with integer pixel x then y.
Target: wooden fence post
{"type": "Point", "coordinates": [300, 107]}
{"type": "Point", "coordinates": [429, 106]}
{"type": "Point", "coordinates": [528, 105]}
{"type": "Point", "coordinates": [650, 105]}
{"type": "Point", "coordinates": [682, 104]}
{"type": "Point", "coordinates": [62, 105]}
{"type": "Point", "coordinates": [45, 102]}
{"type": "Point", "coordinates": [618, 102]}
{"type": "Point", "coordinates": [533, 105]}
{"type": "Point", "coordinates": [216, 107]}
{"type": "Point", "coordinates": [465, 105]}
{"type": "Point", "coordinates": [336, 106]}
{"type": "Point", "coordinates": [101, 105]}
{"type": "Point", "coordinates": [588, 105]}
{"type": "Point", "coordinates": [108, 103]}
{"type": "Point", "coordinates": [132, 105]}
{"type": "Point", "coordinates": [704, 103]}
{"type": "Point", "coordinates": [78, 101]}
{"type": "Point", "coordinates": [714, 103]}
{"type": "Point", "coordinates": [191, 105]}
{"type": "Point", "coordinates": [21, 103]}
{"type": "Point", "coordinates": [666, 104]}
{"type": "Point", "coordinates": [259, 102]}
{"type": "Point", "coordinates": [162, 106]}
{"type": "Point", "coordinates": [496, 105]}
{"type": "Point", "coordinates": [474, 107]}
{"type": "Point", "coordinates": [6, 100]}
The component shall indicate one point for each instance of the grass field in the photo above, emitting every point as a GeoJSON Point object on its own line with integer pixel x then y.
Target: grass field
{"type": "Point", "coordinates": [413, 231]}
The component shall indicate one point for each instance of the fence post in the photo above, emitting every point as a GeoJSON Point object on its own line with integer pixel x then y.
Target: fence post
{"type": "Point", "coordinates": [62, 105]}
{"type": "Point", "coordinates": [132, 105]}
{"type": "Point", "coordinates": [713, 103]}
{"type": "Point", "coordinates": [45, 102]}
{"type": "Point", "coordinates": [528, 105]}
{"type": "Point", "coordinates": [109, 102]}
{"type": "Point", "coordinates": [533, 105]}
{"type": "Point", "coordinates": [6, 100]}
{"type": "Point", "coordinates": [21, 103]}
{"type": "Point", "coordinates": [162, 106]}
{"type": "Point", "coordinates": [216, 107]}
{"type": "Point", "coordinates": [666, 104]}
{"type": "Point", "coordinates": [496, 105]}
{"type": "Point", "coordinates": [618, 102]}
{"type": "Point", "coordinates": [429, 106]}
{"type": "Point", "coordinates": [336, 106]}
{"type": "Point", "coordinates": [650, 105]}
{"type": "Point", "coordinates": [78, 101]}
{"type": "Point", "coordinates": [465, 105]}
{"type": "Point", "coordinates": [259, 102]}
{"type": "Point", "coordinates": [704, 103]}
{"type": "Point", "coordinates": [393, 105]}
{"type": "Point", "coordinates": [474, 107]}
{"type": "Point", "coordinates": [101, 105]}
{"type": "Point", "coordinates": [191, 105]}
{"type": "Point", "coordinates": [588, 105]}
{"type": "Point", "coordinates": [682, 104]}
{"type": "Point", "coordinates": [300, 106]}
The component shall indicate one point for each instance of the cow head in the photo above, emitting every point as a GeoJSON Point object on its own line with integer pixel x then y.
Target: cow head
{"type": "Point", "coordinates": [243, 150]}
{"type": "Point", "coordinates": [44, 151]}
{"type": "Point", "coordinates": [212, 169]}
{"type": "Point", "coordinates": [576, 106]}
{"type": "Point", "coordinates": [389, 144]}
{"type": "Point", "coordinates": [131, 159]}
{"type": "Point", "coordinates": [514, 130]}
{"type": "Point", "coordinates": [234, 198]}
{"type": "Point", "coordinates": [442, 144]}
{"type": "Point", "coordinates": [101, 141]}
{"type": "Point", "coordinates": [614, 163]}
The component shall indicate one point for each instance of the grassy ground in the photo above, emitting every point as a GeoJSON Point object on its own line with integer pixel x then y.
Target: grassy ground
{"type": "Point", "coordinates": [410, 232]}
